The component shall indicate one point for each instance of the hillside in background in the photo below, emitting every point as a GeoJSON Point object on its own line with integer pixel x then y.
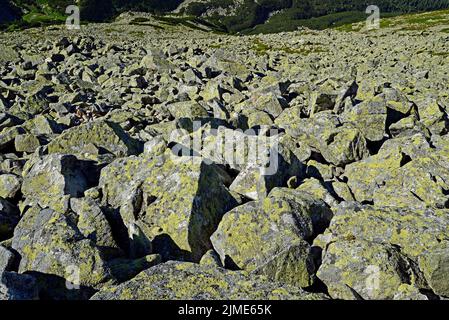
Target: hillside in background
{"type": "Point", "coordinates": [266, 16]}
{"type": "Point", "coordinates": [244, 16]}
{"type": "Point", "coordinates": [8, 12]}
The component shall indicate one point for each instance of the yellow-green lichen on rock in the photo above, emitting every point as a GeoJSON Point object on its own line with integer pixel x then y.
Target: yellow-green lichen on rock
{"type": "Point", "coordinates": [412, 234]}
{"type": "Point", "coordinates": [50, 243]}
{"type": "Point", "coordinates": [268, 236]}
{"type": "Point", "coordinates": [353, 269]}
{"type": "Point", "coordinates": [94, 139]}
{"type": "Point", "coordinates": [188, 281]}
{"type": "Point", "coordinates": [51, 180]}
{"type": "Point", "coordinates": [183, 198]}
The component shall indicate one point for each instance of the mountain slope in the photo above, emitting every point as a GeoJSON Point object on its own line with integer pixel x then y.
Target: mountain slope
{"type": "Point", "coordinates": [244, 16]}
{"type": "Point", "coordinates": [8, 12]}
{"type": "Point", "coordinates": [250, 16]}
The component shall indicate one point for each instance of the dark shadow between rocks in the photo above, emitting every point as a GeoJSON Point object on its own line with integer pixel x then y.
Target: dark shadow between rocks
{"type": "Point", "coordinates": [52, 287]}
{"type": "Point", "coordinates": [230, 264]}
{"type": "Point", "coordinates": [374, 146]}
{"type": "Point", "coordinates": [118, 228]}
{"type": "Point", "coordinates": [164, 245]}
{"type": "Point", "coordinates": [207, 214]}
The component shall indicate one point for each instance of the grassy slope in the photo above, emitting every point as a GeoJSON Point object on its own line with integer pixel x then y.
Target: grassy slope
{"type": "Point", "coordinates": [251, 18]}
{"type": "Point", "coordinates": [38, 13]}
{"type": "Point", "coordinates": [416, 21]}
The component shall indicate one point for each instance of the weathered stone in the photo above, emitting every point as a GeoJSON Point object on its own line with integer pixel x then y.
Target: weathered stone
{"type": "Point", "coordinates": [6, 259]}
{"type": "Point", "coordinates": [93, 224]}
{"type": "Point", "coordinates": [413, 230]}
{"type": "Point", "coordinates": [156, 146]}
{"type": "Point", "coordinates": [359, 269]}
{"type": "Point", "coordinates": [54, 179]}
{"type": "Point", "coordinates": [315, 188]}
{"type": "Point", "coordinates": [211, 259]}
{"type": "Point", "coordinates": [179, 197]}
{"type": "Point", "coordinates": [433, 115]}
{"type": "Point", "coordinates": [8, 135]}
{"type": "Point", "coordinates": [270, 104]}
{"type": "Point", "coordinates": [9, 185]}
{"type": "Point", "coordinates": [369, 117]}
{"type": "Point", "coordinates": [406, 172]}
{"type": "Point", "coordinates": [41, 125]}
{"type": "Point", "coordinates": [339, 145]}
{"type": "Point", "coordinates": [268, 235]}
{"type": "Point", "coordinates": [259, 118]}
{"type": "Point", "coordinates": [180, 280]}
{"type": "Point", "coordinates": [95, 140]}
{"type": "Point", "coordinates": [435, 266]}
{"type": "Point", "coordinates": [420, 183]}
{"type": "Point", "coordinates": [416, 235]}
{"type": "Point", "coordinates": [26, 143]}
{"type": "Point", "coordinates": [156, 60]}
{"type": "Point", "coordinates": [50, 243]}
{"type": "Point", "coordinates": [187, 109]}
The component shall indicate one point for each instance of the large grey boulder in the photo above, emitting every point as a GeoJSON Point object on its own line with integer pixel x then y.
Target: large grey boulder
{"type": "Point", "coordinates": [181, 280]}
{"type": "Point", "coordinates": [268, 236]}
{"type": "Point", "coordinates": [391, 245]}
{"type": "Point", "coordinates": [50, 243]}
{"type": "Point", "coordinates": [98, 140]}
{"type": "Point", "coordinates": [182, 198]}
{"type": "Point", "coordinates": [50, 181]}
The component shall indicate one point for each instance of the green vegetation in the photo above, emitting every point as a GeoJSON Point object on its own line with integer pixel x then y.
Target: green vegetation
{"type": "Point", "coordinates": [145, 22]}
{"type": "Point", "coordinates": [47, 12]}
{"type": "Point", "coordinates": [263, 16]}
{"type": "Point", "coordinates": [269, 16]}
{"type": "Point", "coordinates": [277, 22]}
{"type": "Point", "coordinates": [407, 22]}
{"type": "Point", "coordinates": [153, 6]}
{"type": "Point", "coordinates": [36, 13]}
{"type": "Point", "coordinates": [261, 48]}
{"type": "Point", "coordinates": [189, 21]}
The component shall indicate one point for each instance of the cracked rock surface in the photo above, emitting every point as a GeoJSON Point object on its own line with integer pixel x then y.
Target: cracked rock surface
{"type": "Point", "coordinates": [150, 161]}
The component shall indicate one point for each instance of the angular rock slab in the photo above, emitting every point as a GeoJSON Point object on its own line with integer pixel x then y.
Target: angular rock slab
{"type": "Point", "coordinates": [6, 259]}
{"type": "Point", "coordinates": [9, 185]}
{"type": "Point", "coordinates": [52, 180]}
{"type": "Point", "coordinates": [268, 236]}
{"type": "Point", "coordinates": [263, 162]}
{"type": "Point", "coordinates": [95, 140]}
{"type": "Point", "coordinates": [435, 265]}
{"type": "Point", "coordinates": [50, 243]}
{"type": "Point", "coordinates": [180, 197]}
{"type": "Point", "coordinates": [408, 175]}
{"type": "Point", "coordinates": [338, 144]}
{"type": "Point", "coordinates": [361, 269]}
{"type": "Point", "coordinates": [417, 234]}
{"type": "Point", "coordinates": [182, 280]}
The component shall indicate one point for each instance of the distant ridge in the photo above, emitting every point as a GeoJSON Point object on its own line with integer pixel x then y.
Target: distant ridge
{"type": "Point", "coordinates": [233, 16]}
